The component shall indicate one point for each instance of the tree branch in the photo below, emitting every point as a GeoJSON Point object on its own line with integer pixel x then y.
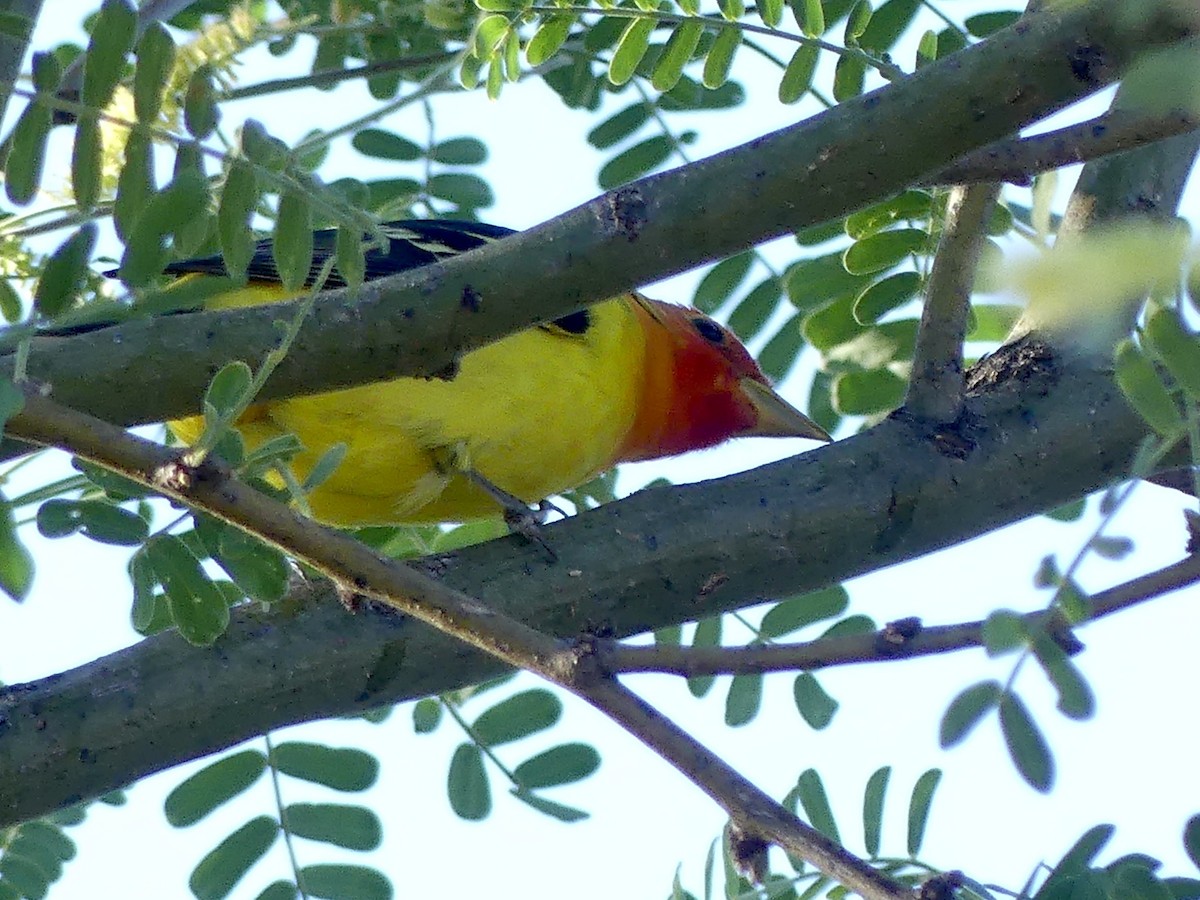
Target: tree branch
{"type": "Point", "coordinates": [885, 645]}
{"type": "Point", "coordinates": [416, 323]}
{"type": "Point", "coordinates": [351, 564]}
{"type": "Point", "coordinates": [1017, 160]}
{"type": "Point", "coordinates": [889, 494]}
{"type": "Point", "coordinates": [935, 388]}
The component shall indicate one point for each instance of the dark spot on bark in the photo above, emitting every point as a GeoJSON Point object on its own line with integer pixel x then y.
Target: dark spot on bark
{"type": "Point", "coordinates": [360, 582]}
{"type": "Point", "coordinates": [627, 210]}
{"type": "Point", "coordinates": [471, 299]}
{"type": "Point", "coordinates": [1088, 64]}
{"type": "Point", "coordinates": [86, 756]}
{"type": "Point", "coordinates": [409, 313]}
{"type": "Point", "coordinates": [447, 372]}
{"type": "Point", "coordinates": [651, 542]}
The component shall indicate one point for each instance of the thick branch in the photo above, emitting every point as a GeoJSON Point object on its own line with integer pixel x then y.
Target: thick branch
{"type": "Point", "coordinates": [1018, 160]}
{"type": "Point", "coordinates": [880, 646]}
{"type": "Point", "coordinates": [413, 324]}
{"type": "Point", "coordinates": [1034, 435]}
{"type": "Point", "coordinates": [19, 18]}
{"type": "Point", "coordinates": [353, 565]}
{"type": "Point", "coordinates": [935, 390]}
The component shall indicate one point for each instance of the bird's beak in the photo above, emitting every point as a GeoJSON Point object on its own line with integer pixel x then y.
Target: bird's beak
{"type": "Point", "coordinates": [777, 417]}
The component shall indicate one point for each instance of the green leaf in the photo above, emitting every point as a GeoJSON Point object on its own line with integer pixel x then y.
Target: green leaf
{"type": "Point", "coordinates": [799, 612]}
{"type": "Point", "coordinates": [562, 764]}
{"type": "Point", "coordinates": [16, 562]}
{"type": "Point", "coordinates": [1145, 390]}
{"type": "Point", "coordinates": [228, 388]}
{"type": "Point", "coordinates": [967, 710]}
{"type": "Point", "coordinates": [198, 608]}
{"type": "Point", "coordinates": [23, 875]}
{"type": "Point", "coordinates": [1191, 839]}
{"type": "Point", "coordinates": [798, 76]}
{"type": "Point", "coordinates": [488, 34]}
{"type": "Point", "coordinates": [279, 890]}
{"type": "Point", "coordinates": [816, 707]}
{"type": "Point", "coordinates": [200, 113]}
{"type": "Point", "coordinates": [559, 811]}
{"type": "Point", "coordinates": [464, 189]}
{"type": "Point", "coordinates": [1177, 347]}
{"type": "Point", "coordinates": [239, 198]}
{"type": "Point", "coordinates": [677, 53]}
{"type": "Point", "coordinates": [992, 321]}
{"type": "Point", "coordinates": [619, 126]}
{"type": "Point", "coordinates": [155, 59]}
{"type": "Point", "coordinates": [175, 207]}
{"type": "Point", "coordinates": [1026, 745]}
{"type": "Point", "coordinates": [869, 392]}
{"type": "Point", "coordinates": [1068, 512]}
{"type": "Point", "coordinates": [135, 184]}
{"type": "Point", "coordinates": [1075, 698]}
{"type": "Point", "coordinates": [427, 714]}
{"type": "Point", "coordinates": [857, 22]}
{"type": "Point", "coordinates": [873, 798]}
{"type": "Point", "coordinates": [27, 142]}
{"type": "Point", "coordinates": [345, 882]}
{"type": "Point", "coordinates": [220, 871]}
{"type": "Point", "coordinates": [86, 164]}
{"type": "Point", "coordinates": [810, 16]}
{"type": "Point", "coordinates": [720, 57]}
{"type": "Point", "coordinates": [880, 298]}
{"type": "Point", "coordinates": [732, 10]}
{"type": "Point", "coordinates": [771, 12]}
{"type": "Point", "coordinates": [101, 521]}
{"type": "Point", "coordinates": [12, 401]}
{"type": "Point", "coordinates": [292, 248]}
{"type": "Point", "coordinates": [719, 282]}
{"type": "Point", "coordinates": [811, 794]}
{"type": "Point", "coordinates": [849, 75]}
{"type": "Point", "coordinates": [756, 308]}
{"type": "Point", "coordinates": [548, 39]}
{"type": "Point", "coordinates": [782, 351]}
{"type": "Point", "coordinates": [214, 785]}
{"type": "Point", "coordinates": [467, 784]}
{"type": "Point", "coordinates": [1111, 547]}
{"type": "Point", "coordinates": [632, 46]}
{"type": "Point", "coordinates": [385, 145]}
{"type": "Point", "coordinates": [518, 716]}
{"type": "Point", "coordinates": [636, 161]}
{"type": "Point", "coordinates": [888, 24]}
{"type": "Point", "coordinates": [1183, 888]}
{"type": "Point", "coordinates": [462, 151]}
{"type": "Point", "coordinates": [260, 570]}
{"type": "Point", "coordinates": [911, 205]}
{"type": "Point", "coordinates": [351, 827]}
{"type": "Point", "coordinates": [883, 250]}
{"type": "Point", "coordinates": [813, 282]}
{"type": "Point", "coordinates": [918, 808]}
{"type": "Point", "coordinates": [984, 24]}
{"type": "Point", "coordinates": [708, 634]}
{"type": "Point", "coordinates": [1136, 881]}
{"type": "Point", "coordinates": [10, 302]}
{"type": "Point", "coordinates": [111, 40]}
{"type": "Point", "coordinates": [64, 273]}
{"type": "Point", "coordinates": [1003, 632]}
{"type": "Point", "coordinates": [340, 768]}
{"type": "Point", "coordinates": [744, 699]}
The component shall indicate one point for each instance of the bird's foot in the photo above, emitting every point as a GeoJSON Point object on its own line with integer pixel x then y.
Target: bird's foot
{"type": "Point", "coordinates": [519, 516]}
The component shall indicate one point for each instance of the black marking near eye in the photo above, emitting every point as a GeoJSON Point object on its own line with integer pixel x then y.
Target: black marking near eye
{"type": "Point", "coordinates": [575, 323]}
{"type": "Point", "coordinates": [709, 330]}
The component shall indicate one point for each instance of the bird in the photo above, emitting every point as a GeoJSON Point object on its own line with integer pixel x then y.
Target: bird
{"type": "Point", "coordinates": [526, 417]}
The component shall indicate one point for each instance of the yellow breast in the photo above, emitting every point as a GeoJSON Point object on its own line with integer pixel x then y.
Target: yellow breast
{"type": "Point", "coordinates": [536, 413]}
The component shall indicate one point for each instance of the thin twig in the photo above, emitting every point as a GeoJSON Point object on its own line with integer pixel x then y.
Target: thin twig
{"type": "Point", "coordinates": [356, 567]}
{"type": "Point", "coordinates": [886, 645]}
{"type": "Point", "coordinates": [1018, 160]}
{"type": "Point", "coordinates": [935, 390]}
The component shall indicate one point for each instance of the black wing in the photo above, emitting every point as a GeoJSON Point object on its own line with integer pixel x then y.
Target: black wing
{"type": "Point", "coordinates": [411, 243]}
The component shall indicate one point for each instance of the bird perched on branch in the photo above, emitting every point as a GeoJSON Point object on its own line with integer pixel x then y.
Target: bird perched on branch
{"type": "Point", "coordinates": [533, 414]}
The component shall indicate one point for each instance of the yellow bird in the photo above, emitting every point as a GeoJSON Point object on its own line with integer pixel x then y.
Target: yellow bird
{"type": "Point", "coordinates": [533, 414]}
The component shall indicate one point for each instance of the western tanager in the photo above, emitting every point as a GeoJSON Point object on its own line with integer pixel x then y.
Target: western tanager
{"type": "Point", "coordinates": [533, 414]}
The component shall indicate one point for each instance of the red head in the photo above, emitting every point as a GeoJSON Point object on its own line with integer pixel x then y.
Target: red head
{"type": "Point", "coordinates": [702, 387]}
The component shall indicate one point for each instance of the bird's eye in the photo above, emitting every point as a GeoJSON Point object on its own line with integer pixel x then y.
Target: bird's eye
{"type": "Point", "coordinates": [575, 323]}
{"type": "Point", "coordinates": [709, 330]}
